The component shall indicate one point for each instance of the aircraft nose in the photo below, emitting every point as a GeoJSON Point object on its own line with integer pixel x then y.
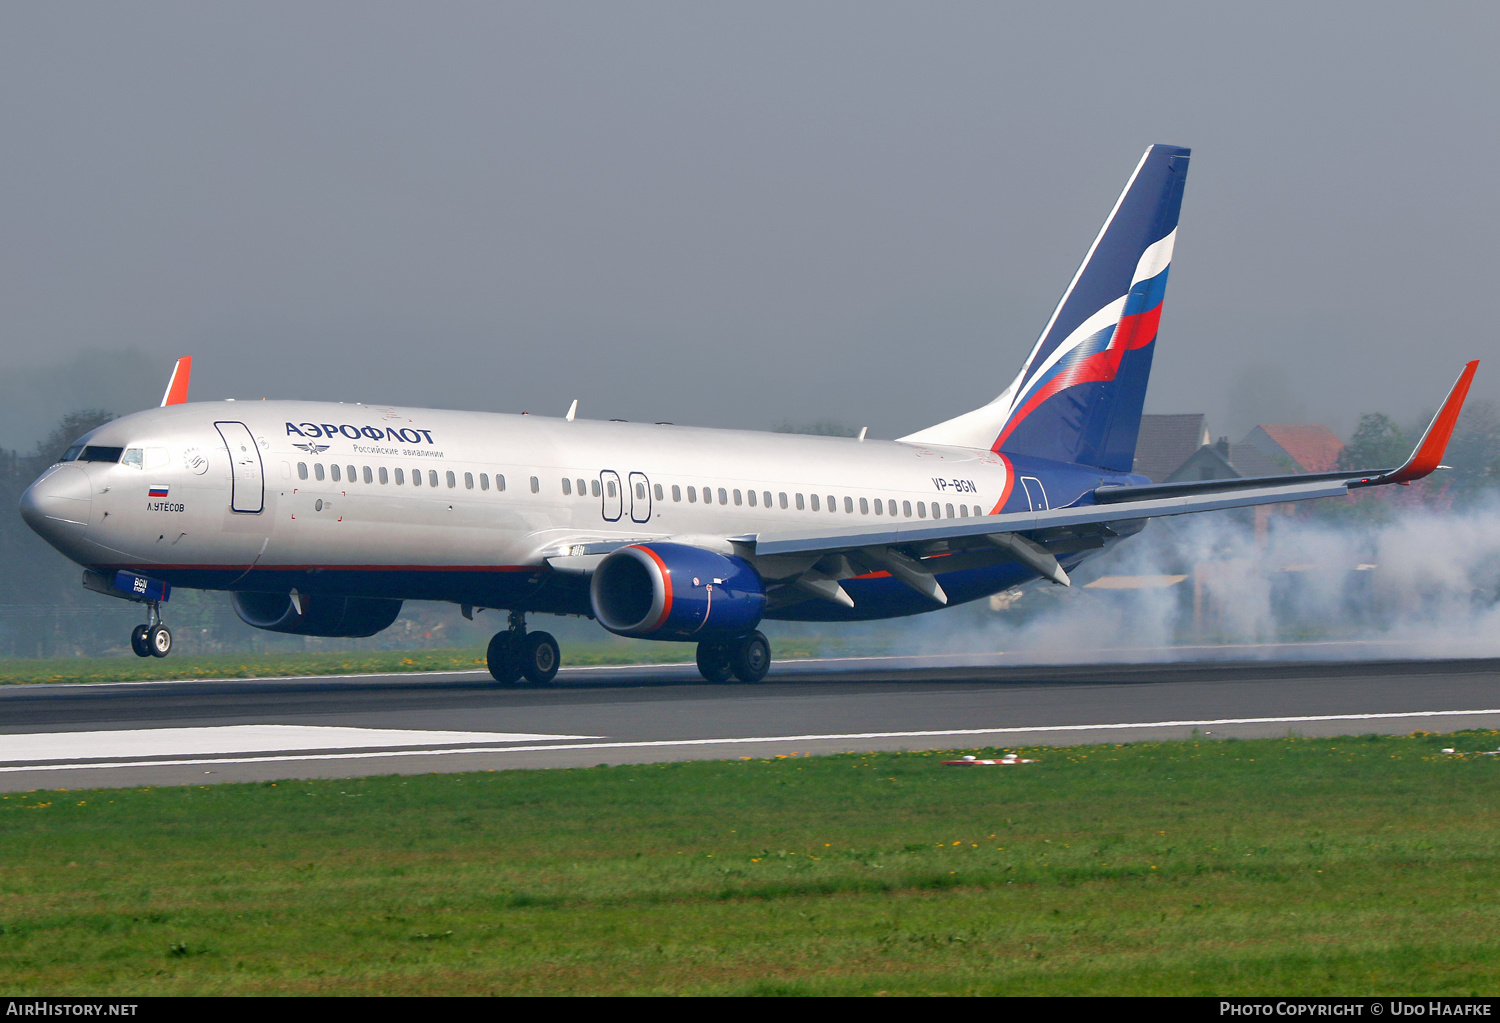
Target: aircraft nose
{"type": "Point", "coordinates": [59, 499]}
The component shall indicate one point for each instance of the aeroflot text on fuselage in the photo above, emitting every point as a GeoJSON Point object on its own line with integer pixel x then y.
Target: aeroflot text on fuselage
{"type": "Point", "coordinates": [404, 434]}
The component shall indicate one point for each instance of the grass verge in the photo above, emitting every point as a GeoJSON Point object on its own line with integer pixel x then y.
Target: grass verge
{"type": "Point", "coordinates": [1294, 866]}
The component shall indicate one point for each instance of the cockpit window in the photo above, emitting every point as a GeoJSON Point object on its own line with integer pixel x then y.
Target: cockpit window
{"type": "Point", "coordinates": [133, 456]}
{"type": "Point", "coordinates": [72, 453]}
{"type": "Point", "coordinates": [94, 453]}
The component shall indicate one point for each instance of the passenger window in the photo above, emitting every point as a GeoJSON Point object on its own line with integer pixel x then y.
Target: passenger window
{"type": "Point", "coordinates": [369, 476]}
{"type": "Point", "coordinates": [468, 481]}
{"type": "Point", "coordinates": [815, 505]}
{"type": "Point", "coordinates": [708, 495]}
{"type": "Point", "coordinates": [400, 477]}
{"type": "Point", "coordinates": [692, 495]}
{"type": "Point", "coordinates": [879, 506]}
{"type": "Point", "coordinates": [333, 473]}
{"type": "Point", "coordinates": [385, 477]}
{"type": "Point", "coordinates": [499, 481]}
{"type": "Point", "coordinates": [891, 507]}
{"type": "Point", "coordinates": [302, 470]}
{"type": "Point", "coordinates": [432, 480]}
{"type": "Point", "coordinates": [353, 476]}
{"type": "Point", "coordinates": [416, 477]}
{"type": "Point", "coordinates": [133, 456]}
{"type": "Point", "coordinates": [738, 498]}
{"type": "Point", "coordinates": [950, 511]}
{"type": "Point", "coordinates": [864, 506]}
{"type": "Point", "coordinates": [640, 491]}
{"type": "Point", "coordinates": [318, 470]}
{"type": "Point", "coordinates": [937, 510]}
{"type": "Point", "coordinates": [833, 503]}
{"type": "Point", "coordinates": [963, 511]}
{"type": "Point", "coordinates": [452, 482]}
{"type": "Point", "coordinates": [536, 485]}
{"type": "Point", "coordinates": [611, 488]}
{"type": "Point", "coordinates": [849, 506]}
{"type": "Point", "coordinates": [583, 488]}
{"type": "Point", "coordinates": [753, 501]}
{"type": "Point", "coordinates": [156, 458]}
{"type": "Point", "coordinates": [800, 505]}
{"type": "Point", "coordinates": [766, 496]}
{"type": "Point", "coordinates": [484, 481]}
{"type": "Point", "coordinates": [906, 508]}
{"type": "Point", "coordinates": [658, 491]}
{"type": "Point", "coordinates": [594, 487]}
{"type": "Point", "coordinates": [921, 509]}
{"type": "Point", "coordinates": [676, 492]}
{"type": "Point", "coordinates": [723, 496]}
{"type": "Point", "coordinates": [567, 487]}
{"type": "Point", "coordinates": [781, 499]}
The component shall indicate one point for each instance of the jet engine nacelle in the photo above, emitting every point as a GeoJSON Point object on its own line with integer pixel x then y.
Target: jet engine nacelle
{"type": "Point", "coordinates": [674, 591]}
{"type": "Point", "coordinates": [320, 615]}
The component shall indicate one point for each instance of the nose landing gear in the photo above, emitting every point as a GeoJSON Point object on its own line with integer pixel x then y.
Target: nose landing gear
{"type": "Point", "coordinates": [516, 654]}
{"type": "Point", "coordinates": [153, 639]}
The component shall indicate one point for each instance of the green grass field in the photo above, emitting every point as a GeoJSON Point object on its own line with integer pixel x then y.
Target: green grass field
{"type": "Point", "coordinates": [1351, 866]}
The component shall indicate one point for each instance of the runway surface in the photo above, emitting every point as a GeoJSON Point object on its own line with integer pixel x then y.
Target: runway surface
{"type": "Point", "coordinates": [171, 733]}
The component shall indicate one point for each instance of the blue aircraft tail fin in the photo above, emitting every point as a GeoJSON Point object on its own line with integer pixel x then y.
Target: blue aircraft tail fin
{"type": "Point", "coordinates": [1079, 395]}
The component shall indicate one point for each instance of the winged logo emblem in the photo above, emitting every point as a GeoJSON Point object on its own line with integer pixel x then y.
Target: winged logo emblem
{"type": "Point", "coordinates": [312, 449]}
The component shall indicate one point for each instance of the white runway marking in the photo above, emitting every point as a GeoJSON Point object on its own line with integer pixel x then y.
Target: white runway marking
{"type": "Point", "coordinates": [660, 743]}
{"type": "Point", "coordinates": [220, 739]}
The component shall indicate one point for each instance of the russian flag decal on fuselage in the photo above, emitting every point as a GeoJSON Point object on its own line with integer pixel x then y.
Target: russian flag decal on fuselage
{"type": "Point", "coordinates": [157, 492]}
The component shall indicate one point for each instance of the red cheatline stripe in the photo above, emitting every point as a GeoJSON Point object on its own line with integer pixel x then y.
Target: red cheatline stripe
{"type": "Point", "coordinates": [335, 568]}
{"type": "Point", "coordinates": [1010, 483]}
{"type": "Point", "coordinates": [1435, 441]}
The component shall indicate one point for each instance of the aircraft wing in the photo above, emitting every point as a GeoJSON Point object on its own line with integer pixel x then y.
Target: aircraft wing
{"type": "Point", "coordinates": [815, 560]}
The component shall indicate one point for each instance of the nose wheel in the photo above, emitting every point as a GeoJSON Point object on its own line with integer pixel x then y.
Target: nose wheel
{"type": "Point", "coordinates": [516, 654]}
{"type": "Point", "coordinates": [153, 639]}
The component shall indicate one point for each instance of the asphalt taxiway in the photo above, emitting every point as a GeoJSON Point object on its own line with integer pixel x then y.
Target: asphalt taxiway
{"type": "Point", "coordinates": [195, 732]}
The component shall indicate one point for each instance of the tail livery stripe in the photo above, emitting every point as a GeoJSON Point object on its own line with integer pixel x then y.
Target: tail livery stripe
{"type": "Point", "coordinates": [1093, 352]}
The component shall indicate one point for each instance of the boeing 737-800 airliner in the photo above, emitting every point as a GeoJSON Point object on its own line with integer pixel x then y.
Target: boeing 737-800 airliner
{"type": "Point", "coordinates": [320, 519]}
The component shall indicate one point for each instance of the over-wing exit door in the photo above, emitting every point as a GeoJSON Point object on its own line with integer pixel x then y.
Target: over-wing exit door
{"type": "Point", "coordinates": [614, 505]}
{"type": "Point", "coordinates": [247, 489]}
{"type": "Point", "coordinates": [640, 497]}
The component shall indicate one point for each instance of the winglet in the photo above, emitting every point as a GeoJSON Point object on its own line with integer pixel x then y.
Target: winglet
{"type": "Point", "coordinates": [1429, 451]}
{"type": "Point", "coordinates": [177, 387]}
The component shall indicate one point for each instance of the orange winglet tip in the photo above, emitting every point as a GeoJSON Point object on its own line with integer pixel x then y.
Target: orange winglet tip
{"type": "Point", "coordinates": [177, 387]}
{"type": "Point", "coordinates": [1429, 453]}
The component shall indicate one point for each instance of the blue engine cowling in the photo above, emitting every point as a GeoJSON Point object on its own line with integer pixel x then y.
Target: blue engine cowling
{"type": "Point", "coordinates": [673, 591]}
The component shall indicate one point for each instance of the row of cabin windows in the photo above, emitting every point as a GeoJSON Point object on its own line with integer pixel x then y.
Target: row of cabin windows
{"type": "Point", "coordinates": [882, 506]}
{"type": "Point", "coordinates": [592, 488]}
{"type": "Point", "coordinates": [353, 474]}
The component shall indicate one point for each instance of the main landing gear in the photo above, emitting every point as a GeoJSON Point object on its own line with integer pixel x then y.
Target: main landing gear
{"type": "Point", "coordinates": [516, 654]}
{"type": "Point", "coordinates": [747, 659]}
{"type": "Point", "coordinates": [152, 639]}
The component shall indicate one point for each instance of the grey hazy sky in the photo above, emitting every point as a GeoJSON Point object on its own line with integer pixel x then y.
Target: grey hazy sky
{"type": "Point", "coordinates": [736, 214]}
